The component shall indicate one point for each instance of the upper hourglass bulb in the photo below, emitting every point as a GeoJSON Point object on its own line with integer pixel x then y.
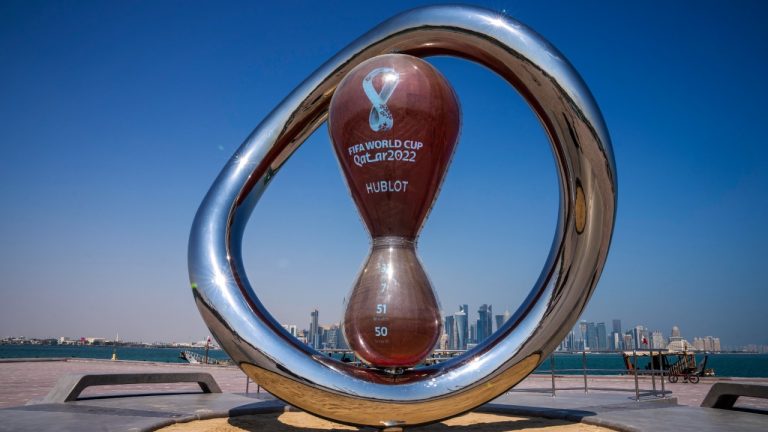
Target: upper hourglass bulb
{"type": "Point", "coordinates": [394, 122]}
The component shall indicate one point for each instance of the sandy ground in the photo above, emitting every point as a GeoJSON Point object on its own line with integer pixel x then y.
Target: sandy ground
{"type": "Point", "coordinates": [303, 422]}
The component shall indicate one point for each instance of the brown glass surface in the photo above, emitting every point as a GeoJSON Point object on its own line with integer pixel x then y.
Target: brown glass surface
{"type": "Point", "coordinates": [392, 317]}
{"type": "Point", "coordinates": [394, 141]}
{"type": "Point", "coordinates": [424, 110]}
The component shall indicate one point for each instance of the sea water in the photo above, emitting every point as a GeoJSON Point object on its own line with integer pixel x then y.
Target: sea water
{"type": "Point", "coordinates": [166, 355]}
{"type": "Point", "coordinates": [725, 364]}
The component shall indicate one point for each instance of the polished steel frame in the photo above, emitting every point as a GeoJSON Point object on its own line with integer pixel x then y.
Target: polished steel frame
{"type": "Point", "coordinates": [303, 377]}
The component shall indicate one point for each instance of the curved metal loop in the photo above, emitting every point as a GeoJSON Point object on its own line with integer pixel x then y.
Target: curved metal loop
{"type": "Point", "coordinates": [331, 389]}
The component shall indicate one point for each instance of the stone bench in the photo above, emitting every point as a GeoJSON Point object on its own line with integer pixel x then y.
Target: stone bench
{"type": "Point", "coordinates": [69, 387]}
{"type": "Point", "coordinates": [724, 395]}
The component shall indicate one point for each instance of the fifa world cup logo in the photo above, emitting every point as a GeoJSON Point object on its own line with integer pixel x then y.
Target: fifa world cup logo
{"type": "Point", "coordinates": [380, 118]}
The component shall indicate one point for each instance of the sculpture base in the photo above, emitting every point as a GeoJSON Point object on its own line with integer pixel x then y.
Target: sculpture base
{"type": "Point", "coordinates": [293, 421]}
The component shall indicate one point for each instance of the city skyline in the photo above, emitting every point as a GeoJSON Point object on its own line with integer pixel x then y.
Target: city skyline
{"type": "Point", "coordinates": [117, 117]}
{"type": "Point", "coordinates": [459, 332]}
{"type": "Point", "coordinates": [463, 336]}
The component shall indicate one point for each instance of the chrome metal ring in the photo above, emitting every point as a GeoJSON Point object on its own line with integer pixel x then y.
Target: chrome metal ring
{"type": "Point", "coordinates": [301, 376]}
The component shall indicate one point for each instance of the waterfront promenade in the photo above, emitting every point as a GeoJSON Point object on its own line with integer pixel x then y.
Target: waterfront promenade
{"type": "Point", "coordinates": [22, 381]}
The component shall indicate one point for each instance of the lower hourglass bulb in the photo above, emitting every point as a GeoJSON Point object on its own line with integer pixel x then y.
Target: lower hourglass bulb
{"type": "Point", "coordinates": [393, 317]}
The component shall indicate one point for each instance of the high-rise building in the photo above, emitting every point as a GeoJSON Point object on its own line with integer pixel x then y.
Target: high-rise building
{"type": "Point", "coordinates": [499, 321]}
{"type": "Point", "coordinates": [570, 343]}
{"type": "Point", "coordinates": [484, 322]}
{"type": "Point", "coordinates": [582, 334]}
{"type": "Point", "coordinates": [617, 326]}
{"type": "Point", "coordinates": [461, 328]}
{"type": "Point", "coordinates": [616, 342]}
{"type": "Point", "coordinates": [322, 337]}
{"type": "Point", "coordinates": [578, 336]}
{"type": "Point", "coordinates": [314, 330]}
{"type": "Point", "coordinates": [341, 342]}
{"type": "Point", "coordinates": [657, 340]}
{"type": "Point", "coordinates": [707, 343]}
{"type": "Point", "coordinates": [450, 332]}
{"type": "Point", "coordinates": [331, 337]}
{"type": "Point", "coordinates": [301, 335]}
{"type": "Point", "coordinates": [716, 345]}
{"type": "Point", "coordinates": [698, 344]}
{"type": "Point", "coordinates": [602, 339]}
{"type": "Point", "coordinates": [472, 335]}
{"type": "Point", "coordinates": [292, 329]}
{"type": "Point", "coordinates": [629, 341]}
{"type": "Point", "coordinates": [640, 337]}
{"type": "Point", "coordinates": [489, 320]}
{"type": "Point", "coordinates": [443, 342]}
{"type": "Point", "coordinates": [591, 339]}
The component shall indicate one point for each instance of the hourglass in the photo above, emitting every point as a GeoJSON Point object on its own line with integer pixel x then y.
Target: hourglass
{"type": "Point", "coordinates": [394, 123]}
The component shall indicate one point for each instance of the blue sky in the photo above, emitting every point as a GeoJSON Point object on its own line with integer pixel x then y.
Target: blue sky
{"type": "Point", "coordinates": [115, 117]}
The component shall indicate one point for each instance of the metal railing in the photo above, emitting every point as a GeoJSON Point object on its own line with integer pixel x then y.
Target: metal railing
{"type": "Point", "coordinates": [586, 372]}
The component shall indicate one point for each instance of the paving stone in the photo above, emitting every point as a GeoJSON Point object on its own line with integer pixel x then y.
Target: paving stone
{"type": "Point", "coordinates": [610, 401]}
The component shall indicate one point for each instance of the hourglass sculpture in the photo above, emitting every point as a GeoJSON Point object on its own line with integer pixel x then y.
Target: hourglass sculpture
{"type": "Point", "coordinates": [394, 122]}
{"type": "Point", "coordinates": [390, 109]}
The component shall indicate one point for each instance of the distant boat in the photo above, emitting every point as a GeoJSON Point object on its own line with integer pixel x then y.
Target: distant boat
{"type": "Point", "coordinates": [190, 356]}
{"type": "Point", "coordinates": [195, 358]}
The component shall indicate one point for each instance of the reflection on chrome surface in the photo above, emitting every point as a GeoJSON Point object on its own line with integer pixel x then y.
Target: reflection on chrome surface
{"type": "Point", "coordinates": [355, 395]}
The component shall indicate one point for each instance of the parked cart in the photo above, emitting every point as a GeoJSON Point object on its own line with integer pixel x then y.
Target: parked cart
{"type": "Point", "coordinates": [673, 364]}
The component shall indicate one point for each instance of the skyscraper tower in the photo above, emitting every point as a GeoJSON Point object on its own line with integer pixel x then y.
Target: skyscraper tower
{"type": "Point", "coordinates": [484, 322]}
{"type": "Point", "coordinates": [341, 343]}
{"type": "Point", "coordinates": [616, 341]}
{"type": "Point", "coordinates": [450, 331]}
{"type": "Point", "coordinates": [483, 319]}
{"type": "Point", "coordinates": [602, 339]}
{"type": "Point", "coordinates": [314, 339]}
{"type": "Point", "coordinates": [617, 326]}
{"type": "Point", "coordinates": [499, 321]}
{"type": "Point", "coordinates": [582, 335]}
{"type": "Point", "coordinates": [640, 337]}
{"type": "Point", "coordinates": [592, 337]}
{"type": "Point", "coordinates": [461, 327]}
{"type": "Point", "coordinates": [489, 321]}
{"type": "Point", "coordinates": [570, 341]}
{"type": "Point", "coordinates": [657, 340]}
